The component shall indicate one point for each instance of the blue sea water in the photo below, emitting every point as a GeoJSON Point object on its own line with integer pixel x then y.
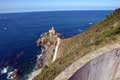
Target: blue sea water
{"type": "Point", "coordinates": [19, 32]}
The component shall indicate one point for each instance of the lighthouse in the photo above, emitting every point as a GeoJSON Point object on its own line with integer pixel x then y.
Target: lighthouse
{"type": "Point", "coordinates": [52, 31]}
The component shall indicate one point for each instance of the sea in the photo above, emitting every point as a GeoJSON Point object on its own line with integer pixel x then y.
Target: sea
{"type": "Point", "coordinates": [19, 32]}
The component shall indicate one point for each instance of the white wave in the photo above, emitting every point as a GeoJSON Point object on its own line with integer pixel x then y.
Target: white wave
{"type": "Point", "coordinates": [39, 56]}
{"type": "Point", "coordinates": [90, 23]}
{"type": "Point", "coordinates": [5, 70]}
{"type": "Point", "coordinates": [80, 30]}
{"type": "Point", "coordinates": [5, 28]}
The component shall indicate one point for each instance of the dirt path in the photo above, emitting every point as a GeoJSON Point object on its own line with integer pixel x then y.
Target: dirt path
{"type": "Point", "coordinates": [56, 49]}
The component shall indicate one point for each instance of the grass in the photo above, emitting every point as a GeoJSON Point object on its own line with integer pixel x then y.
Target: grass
{"type": "Point", "coordinates": [113, 32]}
{"type": "Point", "coordinates": [71, 49]}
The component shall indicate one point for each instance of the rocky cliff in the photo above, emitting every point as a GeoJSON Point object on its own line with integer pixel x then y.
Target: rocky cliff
{"type": "Point", "coordinates": [70, 50]}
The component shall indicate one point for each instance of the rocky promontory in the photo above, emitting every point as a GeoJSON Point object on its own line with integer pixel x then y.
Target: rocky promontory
{"type": "Point", "coordinates": [49, 43]}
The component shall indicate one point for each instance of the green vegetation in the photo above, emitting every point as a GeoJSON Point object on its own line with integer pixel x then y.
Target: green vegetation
{"type": "Point", "coordinates": [71, 49]}
{"type": "Point", "coordinates": [113, 32]}
{"type": "Point", "coordinates": [46, 37]}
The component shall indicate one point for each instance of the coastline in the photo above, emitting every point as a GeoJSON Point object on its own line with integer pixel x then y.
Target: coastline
{"type": "Point", "coordinates": [35, 55]}
{"type": "Point", "coordinates": [34, 74]}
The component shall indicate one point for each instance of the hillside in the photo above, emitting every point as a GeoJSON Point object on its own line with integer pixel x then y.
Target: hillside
{"type": "Point", "coordinates": [103, 33]}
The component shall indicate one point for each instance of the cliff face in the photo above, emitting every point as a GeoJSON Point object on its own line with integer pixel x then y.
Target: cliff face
{"type": "Point", "coordinates": [72, 49]}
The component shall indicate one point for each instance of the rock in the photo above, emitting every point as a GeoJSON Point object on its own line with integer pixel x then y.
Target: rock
{"type": "Point", "coordinates": [12, 75]}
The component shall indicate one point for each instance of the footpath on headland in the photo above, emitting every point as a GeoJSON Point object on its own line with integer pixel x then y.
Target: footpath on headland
{"type": "Point", "coordinates": [56, 49]}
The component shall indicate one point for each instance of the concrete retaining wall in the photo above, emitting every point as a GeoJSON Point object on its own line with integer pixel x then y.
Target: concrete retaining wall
{"type": "Point", "coordinates": [102, 64]}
